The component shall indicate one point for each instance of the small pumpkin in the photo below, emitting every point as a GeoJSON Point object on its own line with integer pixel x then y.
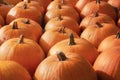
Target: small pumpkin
{"type": "Point", "coordinates": [63, 21]}
{"type": "Point", "coordinates": [10, 70]}
{"type": "Point", "coordinates": [76, 45]}
{"type": "Point", "coordinates": [63, 66]}
{"type": "Point", "coordinates": [100, 6]}
{"type": "Point", "coordinates": [98, 32]}
{"type": "Point", "coordinates": [51, 37]}
{"type": "Point", "coordinates": [23, 51]}
{"type": "Point", "coordinates": [107, 64]}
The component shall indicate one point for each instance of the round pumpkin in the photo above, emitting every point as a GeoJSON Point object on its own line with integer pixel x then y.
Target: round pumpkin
{"type": "Point", "coordinates": [23, 51]}
{"type": "Point", "coordinates": [63, 21]}
{"type": "Point", "coordinates": [63, 10]}
{"type": "Point", "coordinates": [98, 32]}
{"type": "Point", "coordinates": [24, 11]}
{"type": "Point", "coordinates": [76, 45]}
{"type": "Point", "coordinates": [30, 24]}
{"type": "Point", "coordinates": [100, 6]}
{"type": "Point", "coordinates": [107, 64]}
{"type": "Point", "coordinates": [95, 17]}
{"type": "Point", "coordinates": [63, 66]}
{"type": "Point", "coordinates": [51, 37]}
{"type": "Point", "coordinates": [113, 41]}
{"type": "Point", "coordinates": [13, 31]}
{"type": "Point", "coordinates": [10, 70]}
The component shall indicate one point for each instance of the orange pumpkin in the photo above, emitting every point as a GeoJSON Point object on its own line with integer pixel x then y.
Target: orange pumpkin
{"type": "Point", "coordinates": [24, 11]}
{"type": "Point", "coordinates": [107, 64]}
{"type": "Point", "coordinates": [13, 31]}
{"type": "Point", "coordinates": [98, 32]}
{"type": "Point", "coordinates": [76, 45]}
{"type": "Point", "coordinates": [63, 66]}
{"type": "Point", "coordinates": [30, 24]}
{"type": "Point", "coordinates": [100, 6]}
{"type": "Point", "coordinates": [24, 51]}
{"type": "Point", "coordinates": [10, 70]}
{"type": "Point", "coordinates": [113, 41]}
{"type": "Point", "coordinates": [51, 37]}
{"type": "Point", "coordinates": [95, 17]}
{"type": "Point", "coordinates": [63, 21]}
{"type": "Point", "coordinates": [63, 10]}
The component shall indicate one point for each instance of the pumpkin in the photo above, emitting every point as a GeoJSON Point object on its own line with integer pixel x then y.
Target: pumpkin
{"type": "Point", "coordinates": [115, 3]}
{"type": "Point", "coordinates": [95, 17]}
{"type": "Point", "coordinates": [24, 11]}
{"type": "Point", "coordinates": [51, 37]}
{"type": "Point", "coordinates": [23, 51]}
{"type": "Point", "coordinates": [30, 24]}
{"type": "Point", "coordinates": [107, 64]}
{"type": "Point", "coordinates": [100, 6]}
{"type": "Point", "coordinates": [13, 31]}
{"type": "Point", "coordinates": [2, 22]}
{"type": "Point", "coordinates": [65, 21]}
{"type": "Point", "coordinates": [76, 45]}
{"type": "Point", "coordinates": [113, 41]}
{"type": "Point", "coordinates": [63, 66]}
{"type": "Point", "coordinates": [98, 32]}
{"type": "Point", "coordinates": [10, 70]}
{"type": "Point", "coordinates": [63, 10]}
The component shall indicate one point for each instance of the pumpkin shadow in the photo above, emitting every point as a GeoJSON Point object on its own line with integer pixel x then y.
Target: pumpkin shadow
{"type": "Point", "coordinates": [103, 76]}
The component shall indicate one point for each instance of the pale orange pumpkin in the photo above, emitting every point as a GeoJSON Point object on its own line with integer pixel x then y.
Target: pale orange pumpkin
{"type": "Point", "coordinates": [107, 64]}
{"type": "Point", "coordinates": [62, 66]}
{"type": "Point", "coordinates": [51, 37]}
{"type": "Point", "coordinates": [98, 32]}
{"type": "Point", "coordinates": [63, 21]}
{"type": "Point", "coordinates": [76, 45]}
{"type": "Point", "coordinates": [10, 70]}
{"type": "Point", "coordinates": [23, 51]}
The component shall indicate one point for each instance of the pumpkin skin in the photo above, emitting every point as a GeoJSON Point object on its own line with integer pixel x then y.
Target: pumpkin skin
{"type": "Point", "coordinates": [63, 10]}
{"type": "Point", "coordinates": [13, 31]}
{"type": "Point", "coordinates": [95, 17]}
{"type": "Point", "coordinates": [10, 70]}
{"type": "Point", "coordinates": [2, 22]}
{"type": "Point", "coordinates": [23, 51]}
{"type": "Point", "coordinates": [119, 23]}
{"type": "Point", "coordinates": [76, 45]}
{"type": "Point", "coordinates": [107, 64]}
{"type": "Point", "coordinates": [113, 41]}
{"type": "Point", "coordinates": [115, 3]}
{"type": "Point", "coordinates": [63, 21]}
{"type": "Point", "coordinates": [24, 11]}
{"type": "Point", "coordinates": [98, 32]}
{"type": "Point", "coordinates": [12, 2]}
{"type": "Point", "coordinates": [30, 24]}
{"type": "Point", "coordinates": [70, 66]}
{"type": "Point", "coordinates": [102, 7]}
{"type": "Point", "coordinates": [51, 37]}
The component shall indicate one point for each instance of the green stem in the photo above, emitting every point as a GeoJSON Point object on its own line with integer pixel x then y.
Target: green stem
{"type": "Point", "coordinates": [61, 56]}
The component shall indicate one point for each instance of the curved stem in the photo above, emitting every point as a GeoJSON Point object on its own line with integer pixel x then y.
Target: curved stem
{"type": "Point", "coordinates": [99, 25]}
{"type": "Point", "coordinates": [118, 35]}
{"type": "Point", "coordinates": [61, 56]}
{"type": "Point", "coordinates": [71, 37]}
{"type": "Point", "coordinates": [62, 29]}
{"type": "Point", "coordinates": [15, 25]}
{"type": "Point", "coordinates": [21, 39]}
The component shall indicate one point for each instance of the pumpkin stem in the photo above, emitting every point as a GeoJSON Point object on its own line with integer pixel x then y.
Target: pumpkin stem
{"type": "Point", "coordinates": [60, 17]}
{"type": "Point", "coordinates": [96, 14]}
{"type": "Point", "coordinates": [99, 25]}
{"type": "Point", "coordinates": [61, 56]}
{"type": "Point", "coordinates": [25, 6]}
{"type": "Point", "coordinates": [27, 21]}
{"type": "Point", "coordinates": [118, 35]}
{"type": "Point", "coordinates": [15, 25]}
{"type": "Point", "coordinates": [21, 39]}
{"type": "Point", "coordinates": [59, 6]}
{"type": "Point", "coordinates": [71, 37]}
{"type": "Point", "coordinates": [27, 1]}
{"type": "Point", "coordinates": [62, 29]}
{"type": "Point", "coordinates": [97, 1]}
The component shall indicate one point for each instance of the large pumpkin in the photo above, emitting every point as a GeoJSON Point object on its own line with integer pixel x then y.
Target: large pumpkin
{"type": "Point", "coordinates": [10, 70]}
{"type": "Point", "coordinates": [51, 37]}
{"type": "Point", "coordinates": [23, 51]}
{"type": "Point", "coordinates": [63, 21]}
{"type": "Point", "coordinates": [107, 64]}
{"type": "Point", "coordinates": [98, 32]}
{"type": "Point", "coordinates": [62, 66]}
{"type": "Point", "coordinates": [100, 6]}
{"type": "Point", "coordinates": [76, 45]}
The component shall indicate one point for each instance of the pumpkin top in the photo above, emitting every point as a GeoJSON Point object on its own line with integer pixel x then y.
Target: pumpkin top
{"type": "Point", "coordinates": [61, 56]}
